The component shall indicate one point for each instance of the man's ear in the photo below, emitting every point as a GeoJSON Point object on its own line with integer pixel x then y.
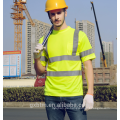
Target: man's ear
{"type": "Point", "coordinates": [65, 12]}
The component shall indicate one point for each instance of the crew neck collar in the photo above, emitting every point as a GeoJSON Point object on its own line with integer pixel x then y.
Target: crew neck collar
{"type": "Point", "coordinates": [61, 31]}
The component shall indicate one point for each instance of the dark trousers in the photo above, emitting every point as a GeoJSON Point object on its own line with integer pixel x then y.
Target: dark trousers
{"type": "Point", "coordinates": [56, 107]}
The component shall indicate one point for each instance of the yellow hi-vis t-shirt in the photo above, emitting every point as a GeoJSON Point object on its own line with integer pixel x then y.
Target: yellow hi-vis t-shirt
{"type": "Point", "coordinates": [64, 76]}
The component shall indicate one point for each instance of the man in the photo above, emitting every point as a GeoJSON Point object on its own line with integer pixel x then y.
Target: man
{"type": "Point", "coordinates": [64, 54]}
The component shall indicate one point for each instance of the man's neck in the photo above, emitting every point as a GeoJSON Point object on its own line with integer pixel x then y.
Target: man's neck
{"type": "Point", "coordinates": [64, 26]}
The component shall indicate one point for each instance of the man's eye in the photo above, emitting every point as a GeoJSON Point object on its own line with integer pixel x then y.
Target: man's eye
{"type": "Point", "coordinates": [52, 14]}
{"type": "Point", "coordinates": [59, 13]}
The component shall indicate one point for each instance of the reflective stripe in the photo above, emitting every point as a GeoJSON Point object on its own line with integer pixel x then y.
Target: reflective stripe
{"type": "Point", "coordinates": [64, 57]}
{"type": "Point", "coordinates": [46, 48]}
{"type": "Point", "coordinates": [75, 42]}
{"type": "Point", "coordinates": [67, 57]}
{"type": "Point", "coordinates": [64, 73]}
{"type": "Point", "coordinates": [43, 58]}
{"type": "Point", "coordinates": [85, 53]}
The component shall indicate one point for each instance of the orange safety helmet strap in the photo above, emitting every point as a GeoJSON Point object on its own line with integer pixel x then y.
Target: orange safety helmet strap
{"type": "Point", "coordinates": [55, 4]}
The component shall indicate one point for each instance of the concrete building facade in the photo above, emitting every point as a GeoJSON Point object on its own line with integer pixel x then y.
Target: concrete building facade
{"type": "Point", "coordinates": [108, 51]}
{"type": "Point", "coordinates": [89, 29]}
{"type": "Point", "coordinates": [33, 34]}
{"type": "Point", "coordinates": [108, 57]}
{"type": "Point", "coordinates": [107, 46]}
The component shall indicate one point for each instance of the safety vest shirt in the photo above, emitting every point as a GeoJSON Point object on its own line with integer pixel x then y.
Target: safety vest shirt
{"type": "Point", "coordinates": [65, 51]}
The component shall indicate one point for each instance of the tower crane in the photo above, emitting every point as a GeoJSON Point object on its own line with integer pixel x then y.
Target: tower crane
{"type": "Point", "coordinates": [17, 16]}
{"type": "Point", "coordinates": [103, 59]}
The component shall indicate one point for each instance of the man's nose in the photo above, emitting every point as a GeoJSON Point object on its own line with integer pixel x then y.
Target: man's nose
{"type": "Point", "coordinates": [56, 16]}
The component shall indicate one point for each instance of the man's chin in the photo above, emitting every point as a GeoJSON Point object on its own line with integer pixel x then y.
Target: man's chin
{"type": "Point", "coordinates": [57, 25]}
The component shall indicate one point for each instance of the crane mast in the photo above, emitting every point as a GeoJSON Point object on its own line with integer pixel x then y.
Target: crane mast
{"type": "Point", "coordinates": [17, 16]}
{"type": "Point", "coordinates": [104, 60]}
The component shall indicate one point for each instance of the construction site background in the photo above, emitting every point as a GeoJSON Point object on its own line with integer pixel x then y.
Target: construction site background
{"type": "Point", "coordinates": [102, 76]}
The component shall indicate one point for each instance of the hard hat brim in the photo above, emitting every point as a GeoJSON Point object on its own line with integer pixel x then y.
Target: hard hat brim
{"type": "Point", "coordinates": [46, 10]}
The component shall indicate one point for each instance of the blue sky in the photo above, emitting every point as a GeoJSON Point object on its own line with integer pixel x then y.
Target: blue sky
{"type": "Point", "coordinates": [106, 12]}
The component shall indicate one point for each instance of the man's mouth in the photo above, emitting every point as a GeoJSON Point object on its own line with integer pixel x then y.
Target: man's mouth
{"type": "Point", "coordinates": [57, 21]}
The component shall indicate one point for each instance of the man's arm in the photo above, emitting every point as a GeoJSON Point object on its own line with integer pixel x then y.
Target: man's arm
{"type": "Point", "coordinates": [89, 76]}
{"type": "Point", "coordinates": [38, 67]}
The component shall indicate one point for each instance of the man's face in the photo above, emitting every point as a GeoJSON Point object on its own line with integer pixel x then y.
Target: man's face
{"type": "Point", "coordinates": [57, 17]}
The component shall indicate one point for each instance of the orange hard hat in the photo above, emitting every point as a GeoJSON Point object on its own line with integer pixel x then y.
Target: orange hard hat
{"type": "Point", "coordinates": [55, 4]}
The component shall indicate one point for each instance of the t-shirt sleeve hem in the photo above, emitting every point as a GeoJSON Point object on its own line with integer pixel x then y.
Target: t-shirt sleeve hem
{"type": "Point", "coordinates": [88, 57]}
{"type": "Point", "coordinates": [43, 63]}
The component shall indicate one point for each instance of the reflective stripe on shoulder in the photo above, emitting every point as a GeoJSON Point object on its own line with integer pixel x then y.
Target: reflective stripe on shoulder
{"type": "Point", "coordinates": [64, 57]}
{"type": "Point", "coordinates": [45, 46]}
{"type": "Point", "coordinates": [85, 53]}
{"type": "Point", "coordinates": [75, 42]}
{"type": "Point", "coordinates": [64, 73]}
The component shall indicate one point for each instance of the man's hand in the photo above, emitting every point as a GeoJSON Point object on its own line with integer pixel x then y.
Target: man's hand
{"type": "Point", "coordinates": [37, 51]}
{"type": "Point", "coordinates": [88, 102]}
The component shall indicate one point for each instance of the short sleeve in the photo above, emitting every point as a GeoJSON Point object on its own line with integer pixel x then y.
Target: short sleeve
{"type": "Point", "coordinates": [85, 48]}
{"type": "Point", "coordinates": [44, 57]}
